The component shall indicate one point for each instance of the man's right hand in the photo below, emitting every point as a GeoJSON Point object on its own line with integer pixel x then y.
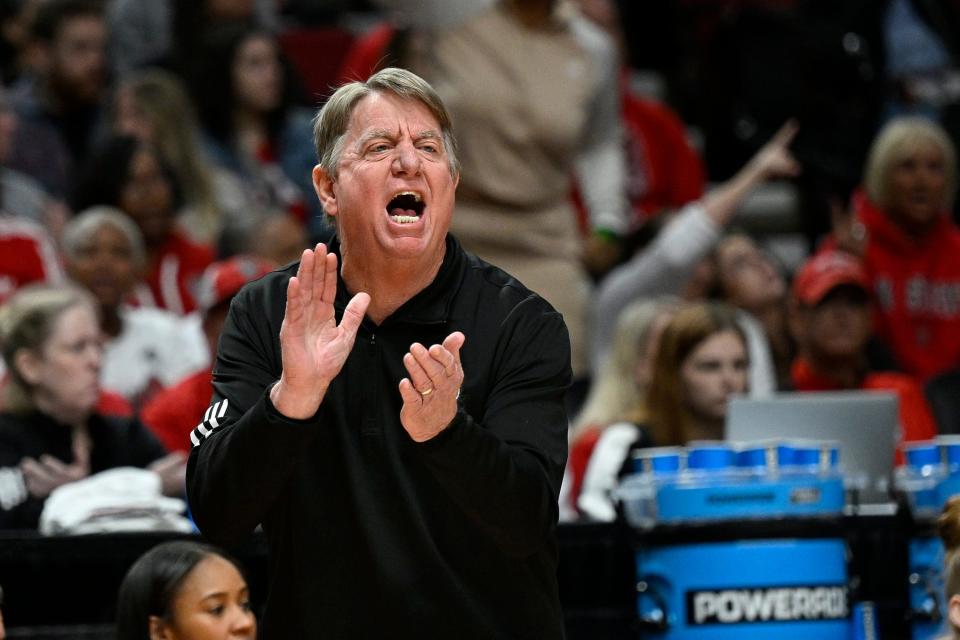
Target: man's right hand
{"type": "Point", "coordinates": [312, 346]}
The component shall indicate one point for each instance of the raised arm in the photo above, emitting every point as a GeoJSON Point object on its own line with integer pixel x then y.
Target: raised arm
{"type": "Point", "coordinates": [243, 445]}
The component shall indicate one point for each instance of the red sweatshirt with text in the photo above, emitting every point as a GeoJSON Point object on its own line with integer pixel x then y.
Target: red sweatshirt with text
{"type": "Point", "coordinates": [916, 286]}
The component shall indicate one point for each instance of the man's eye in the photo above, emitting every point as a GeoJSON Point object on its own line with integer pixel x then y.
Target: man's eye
{"type": "Point", "coordinates": [379, 147]}
{"type": "Point", "coordinates": [429, 148]}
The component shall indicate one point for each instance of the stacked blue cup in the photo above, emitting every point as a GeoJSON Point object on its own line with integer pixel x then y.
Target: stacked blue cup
{"type": "Point", "coordinates": [710, 456]}
{"type": "Point", "coordinates": [660, 461]}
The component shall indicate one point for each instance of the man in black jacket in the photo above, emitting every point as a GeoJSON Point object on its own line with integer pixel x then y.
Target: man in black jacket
{"type": "Point", "coordinates": [404, 490]}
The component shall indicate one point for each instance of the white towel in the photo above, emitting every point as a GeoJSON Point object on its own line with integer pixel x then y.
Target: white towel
{"type": "Point", "coordinates": [121, 499]}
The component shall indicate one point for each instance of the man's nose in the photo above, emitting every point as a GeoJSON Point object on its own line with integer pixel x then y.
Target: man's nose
{"type": "Point", "coordinates": [406, 161]}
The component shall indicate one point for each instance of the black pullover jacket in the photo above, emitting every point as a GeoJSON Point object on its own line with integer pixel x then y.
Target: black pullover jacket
{"type": "Point", "coordinates": [373, 535]}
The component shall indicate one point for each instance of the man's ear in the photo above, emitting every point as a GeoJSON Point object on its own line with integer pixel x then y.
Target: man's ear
{"type": "Point", "coordinates": [323, 185]}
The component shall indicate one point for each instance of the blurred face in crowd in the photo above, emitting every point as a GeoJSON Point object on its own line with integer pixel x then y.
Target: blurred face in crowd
{"type": "Point", "coordinates": [65, 375]}
{"type": "Point", "coordinates": [748, 275]}
{"type": "Point", "coordinates": [147, 197]}
{"type": "Point", "coordinates": [213, 603]}
{"type": "Point", "coordinates": [917, 188]}
{"type": "Point", "coordinates": [257, 75]}
{"type": "Point", "coordinates": [104, 264]}
{"type": "Point", "coordinates": [393, 194]}
{"type": "Point", "coordinates": [78, 60]}
{"type": "Point", "coordinates": [130, 119]}
{"type": "Point", "coordinates": [713, 372]}
{"type": "Point", "coordinates": [838, 327]}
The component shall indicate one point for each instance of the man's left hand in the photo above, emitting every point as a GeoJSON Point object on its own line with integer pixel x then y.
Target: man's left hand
{"type": "Point", "coordinates": [430, 393]}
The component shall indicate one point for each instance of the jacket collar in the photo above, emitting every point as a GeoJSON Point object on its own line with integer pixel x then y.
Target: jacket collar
{"type": "Point", "coordinates": [432, 304]}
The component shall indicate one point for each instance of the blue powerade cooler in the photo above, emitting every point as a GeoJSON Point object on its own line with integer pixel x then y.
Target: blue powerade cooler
{"type": "Point", "coordinates": [740, 544]}
{"type": "Point", "coordinates": [781, 581]}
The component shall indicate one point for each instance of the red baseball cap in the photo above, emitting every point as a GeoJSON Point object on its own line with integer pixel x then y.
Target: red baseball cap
{"type": "Point", "coordinates": [222, 280]}
{"type": "Point", "coordinates": [826, 271]}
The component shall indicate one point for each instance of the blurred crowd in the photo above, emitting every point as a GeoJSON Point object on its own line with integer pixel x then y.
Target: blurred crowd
{"type": "Point", "coordinates": [156, 156]}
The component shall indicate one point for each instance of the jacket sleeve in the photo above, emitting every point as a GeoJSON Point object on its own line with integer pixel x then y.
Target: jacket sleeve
{"type": "Point", "coordinates": [505, 468]}
{"type": "Point", "coordinates": [242, 446]}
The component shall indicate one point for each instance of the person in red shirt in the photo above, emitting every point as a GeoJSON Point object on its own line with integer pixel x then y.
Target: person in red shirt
{"type": "Point", "coordinates": [910, 247]}
{"type": "Point", "coordinates": [830, 319]}
{"type": "Point", "coordinates": [173, 412]}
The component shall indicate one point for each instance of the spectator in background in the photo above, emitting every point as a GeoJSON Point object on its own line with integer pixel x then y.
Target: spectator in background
{"type": "Point", "coordinates": [679, 261]}
{"type": "Point", "coordinates": [50, 432]}
{"type": "Point", "coordinates": [533, 88]}
{"type": "Point", "coordinates": [59, 101]}
{"type": "Point", "coordinates": [617, 395]}
{"type": "Point", "coordinates": [16, 16]}
{"type": "Point", "coordinates": [184, 590]}
{"type": "Point", "coordinates": [173, 412]}
{"type": "Point", "coordinates": [701, 363]}
{"type": "Point", "coordinates": [750, 279]}
{"type": "Point", "coordinates": [245, 96]}
{"type": "Point", "coordinates": [146, 349]}
{"type": "Point", "coordinates": [168, 32]}
{"type": "Point", "coordinates": [20, 195]}
{"type": "Point", "coordinates": [910, 247]}
{"type": "Point", "coordinates": [830, 317]}
{"type": "Point", "coordinates": [664, 172]}
{"type": "Point", "coordinates": [130, 175]}
{"type": "Point", "coordinates": [153, 106]}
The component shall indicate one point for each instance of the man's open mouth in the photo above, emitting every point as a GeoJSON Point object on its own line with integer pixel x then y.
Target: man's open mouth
{"type": "Point", "coordinates": [405, 207]}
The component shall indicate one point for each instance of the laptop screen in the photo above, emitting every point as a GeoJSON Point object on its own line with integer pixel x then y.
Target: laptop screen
{"type": "Point", "coordinates": [864, 423]}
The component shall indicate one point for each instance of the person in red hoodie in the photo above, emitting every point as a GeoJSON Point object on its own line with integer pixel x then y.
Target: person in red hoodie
{"type": "Point", "coordinates": [910, 247]}
{"type": "Point", "coordinates": [173, 412]}
{"type": "Point", "coordinates": [830, 320]}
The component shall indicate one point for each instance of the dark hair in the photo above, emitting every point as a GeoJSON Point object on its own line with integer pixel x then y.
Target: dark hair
{"type": "Point", "coordinates": [103, 177]}
{"type": "Point", "coordinates": [152, 584]}
{"type": "Point", "coordinates": [212, 83]}
{"type": "Point", "coordinates": [52, 14]}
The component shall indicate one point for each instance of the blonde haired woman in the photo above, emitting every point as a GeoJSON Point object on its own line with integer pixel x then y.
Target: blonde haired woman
{"type": "Point", "coordinates": [616, 397]}
{"type": "Point", "coordinates": [909, 245]}
{"type": "Point", "coordinates": [50, 431]}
